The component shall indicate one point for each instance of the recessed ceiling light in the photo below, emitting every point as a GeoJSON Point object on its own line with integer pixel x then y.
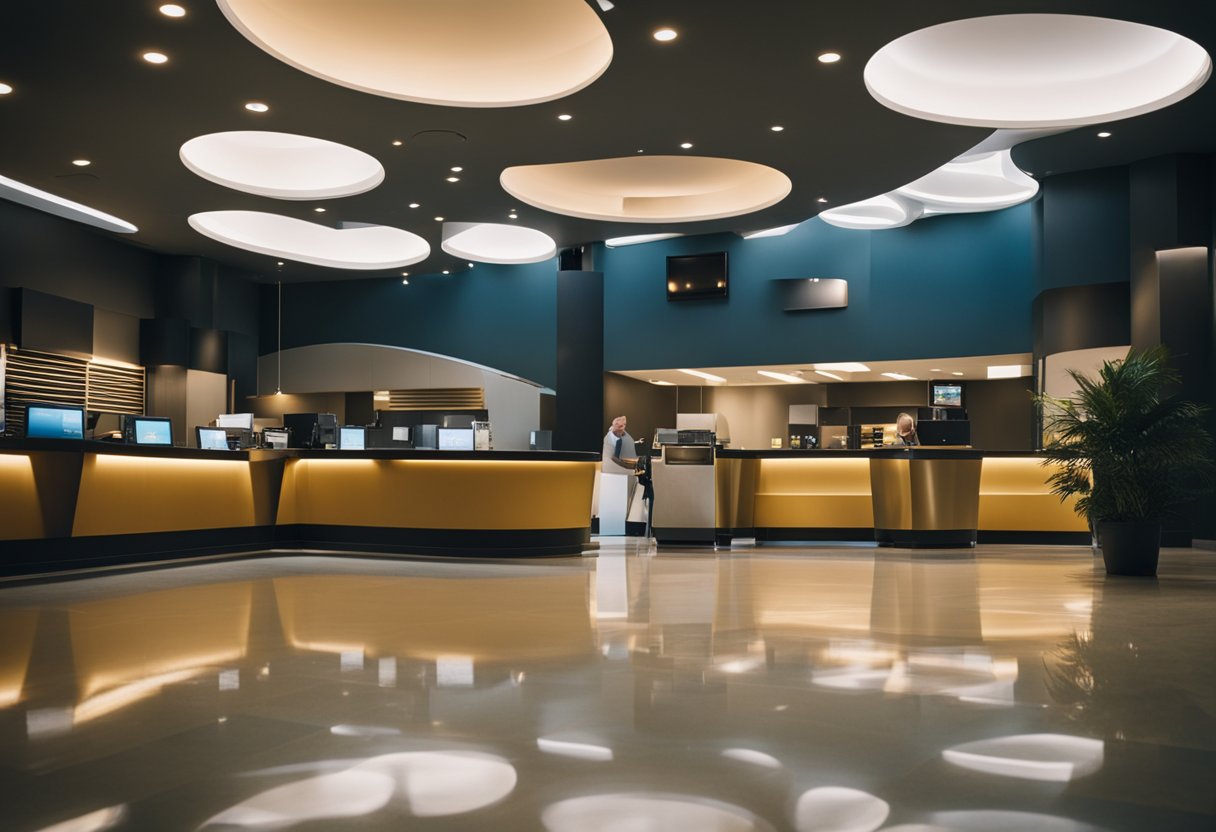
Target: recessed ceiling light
{"type": "Point", "coordinates": [447, 271]}
{"type": "Point", "coordinates": [956, 374]}
{"type": "Point", "coordinates": [5, 89]}
{"type": "Point", "coordinates": [279, 263]}
{"type": "Point", "coordinates": [397, 142]}
{"type": "Point", "coordinates": [706, 376]}
{"type": "Point", "coordinates": [822, 199]}
{"type": "Point", "coordinates": [438, 219]}
{"type": "Point", "coordinates": [565, 117]}
{"type": "Point", "coordinates": [415, 205]}
{"type": "Point", "coordinates": [1104, 135]}
{"type": "Point", "coordinates": [513, 216]}
{"type": "Point", "coordinates": [665, 35]}
{"type": "Point", "coordinates": [172, 10]}
{"type": "Point", "coordinates": [786, 377]}
{"type": "Point", "coordinates": [81, 163]}
{"type": "Point", "coordinates": [686, 145]}
{"type": "Point", "coordinates": [829, 57]}
{"type": "Point", "coordinates": [405, 281]}
{"type": "Point", "coordinates": [935, 369]}
{"type": "Point", "coordinates": [453, 178]}
{"type": "Point", "coordinates": [640, 150]}
{"type": "Point", "coordinates": [470, 265]}
{"type": "Point", "coordinates": [257, 107]}
{"type": "Point", "coordinates": [155, 57]}
{"type": "Point", "coordinates": [456, 169]}
{"type": "Point", "coordinates": [319, 210]}
{"type": "Point", "coordinates": [776, 128]}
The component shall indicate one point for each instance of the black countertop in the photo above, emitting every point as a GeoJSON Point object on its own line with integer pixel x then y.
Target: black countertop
{"type": "Point", "coordinates": [894, 452]}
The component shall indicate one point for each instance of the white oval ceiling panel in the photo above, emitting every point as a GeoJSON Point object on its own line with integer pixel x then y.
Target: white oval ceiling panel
{"type": "Point", "coordinates": [464, 53]}
{"type": "Point", "coordinates": [648, 188]}
{"type": "Point", "coordinates": [363, 247]}
{"type": "Point", "coordinates": [488, 242]}
{"type": "Point", "coordinates": [281, 165]}
{"type": "Point", "coordinates": [1035, 70]}
{"type": "Point", "coordinates": [880, 212]}
{"type": "Point", "coordinates": [987, 182]}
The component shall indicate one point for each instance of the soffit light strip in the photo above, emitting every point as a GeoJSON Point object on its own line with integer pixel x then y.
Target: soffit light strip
{"type": "Point", "coordinates": [32, 197]}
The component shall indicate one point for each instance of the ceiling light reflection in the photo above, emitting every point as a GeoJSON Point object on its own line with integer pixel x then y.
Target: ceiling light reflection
{"type": "Point", "coordinates": [1056, 758]}
{"type": "Point", "coordinates": [840, 810]}
{"type": "Point", "coordinates": [97, 821]}
{"type": "Point", "coordinates": [578, 750]}
{"type": "Point", "coordinates": [609, 812]}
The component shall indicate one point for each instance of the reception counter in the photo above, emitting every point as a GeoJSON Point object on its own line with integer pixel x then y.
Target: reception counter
{"type": "Point", "coordinates": [925, 496]}
{"type": "Point", "coordinates": [71, 504]}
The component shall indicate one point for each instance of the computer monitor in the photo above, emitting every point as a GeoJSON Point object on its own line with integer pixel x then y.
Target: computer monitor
{"type": "Point", "coordinates": [211, 439]}
{"type": "Point", "coordinates": [152, 430]}
{"type": "Point", "coordinates": [952, 432]}
{"type": "Point", "coordinates": [401, 433]}
{"type": "Point", "coordinates": [242, 421]}
{"type": "Point", "coordinates": [351, 438]}
{"type": "Point", "coordinates": [54, 421]}
{"type": "Point", "coordinates": [277, 438]}
{"type": "Point", "coordinates": [455, 439]}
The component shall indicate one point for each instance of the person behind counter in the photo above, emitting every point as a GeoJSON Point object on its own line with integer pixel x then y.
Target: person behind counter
{"type": "Point", "coordinates": [905, 430]}
{"type": "Point", "coordinates": [617, 443]}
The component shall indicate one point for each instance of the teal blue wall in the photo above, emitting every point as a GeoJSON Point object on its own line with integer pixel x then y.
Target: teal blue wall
{"type": "Point", "coordinates": [501, 316]}
{"type": "Point", "coordinates": [943, 286]}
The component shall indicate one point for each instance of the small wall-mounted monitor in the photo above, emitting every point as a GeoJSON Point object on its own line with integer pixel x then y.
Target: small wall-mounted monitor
{"type": "Point", "coordinates": [351, 438]}
{"type": "Point", "coordinates": [455, 439]}
{"type": "Point", "coordinates": [241, 421]}
{"type": "Point", "coordinates": [54, 421]}
{"type": "Point", "coordinates": [945, 394]}
{"type": "Point", "coordinates": [697, 276]}
{"type": "Point", "coordinates": [152, 430]}
{"type": "Point", "coordinates": [211, 439]}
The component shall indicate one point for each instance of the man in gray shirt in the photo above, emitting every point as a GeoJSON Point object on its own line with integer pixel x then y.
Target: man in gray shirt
{"type": "Point", "coordinates": [619, 449]}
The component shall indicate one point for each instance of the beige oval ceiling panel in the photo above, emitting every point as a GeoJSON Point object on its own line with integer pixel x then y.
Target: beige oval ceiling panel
{"type": "Point", "coordinates": [466, 53]}
{"type": "Point", "coordinates": [648, 188]}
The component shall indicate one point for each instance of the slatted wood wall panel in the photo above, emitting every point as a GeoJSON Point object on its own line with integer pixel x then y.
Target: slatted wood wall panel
{"type": "Point", "coordinates": [438, 398]}
{"type": "Point", "coordinates": [57, 379]}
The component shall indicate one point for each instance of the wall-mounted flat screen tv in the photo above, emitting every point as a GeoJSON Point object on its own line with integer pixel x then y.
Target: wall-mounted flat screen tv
{"type": "Point", "coordinates": [150, 430]}
{"type": "Point", "coordinates": [697, 276]}
{"type": "Point", "coordinates": [54, 421]}
{"type": "Point", "coordinates": [945, 394]}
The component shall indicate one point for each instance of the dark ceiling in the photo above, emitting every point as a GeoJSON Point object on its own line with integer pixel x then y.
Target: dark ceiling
{"type": "Point", "coordinates": [81, 90]}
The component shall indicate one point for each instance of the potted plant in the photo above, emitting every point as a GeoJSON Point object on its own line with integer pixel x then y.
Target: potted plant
{"type": "Point", "coordinates": [1129, 451]}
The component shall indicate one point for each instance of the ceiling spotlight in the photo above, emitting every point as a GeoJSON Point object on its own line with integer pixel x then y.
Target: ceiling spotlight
{"type": "Point", "coordinates": [172, 10]}
{"type": "Point", "coordinates": [640, 150]}
{"type": "Point", "coordinates": [565, 117]}
{"type": "Point", "coordinates": [397, 142]}
{"type": "Point", "coordinates": [935, 369]}
{"type": "Point", "coordinates": [415, 205]}
{"type": "Point", "coordinates": [829, 57]}
{"type": "Point", "coordinates": [447, 271]}
{"type": "Point", "coordinates": [279, 263]}
{"type": "Point", "coordinates": [686, 145]}
{"type": "Point", "coordinates": [319, 210]}
{"type": "Point", "coordinates": [470, 265]}
{"type": "Point", "coordinates": [438, 219]}
{"type": "Point", "coordinates": [1104, 135]}
{"type": "Point", "coordinates": [822, 199]}
{"type": "Point", "coordinates": [956, 374]}
{"type": "Point", "coordinates": [405, 281]}
{"type": "Point", "coordinates": [5, 89]}
{"type": "Point", "coordinates": [665, 35]}
{"type": "Point", "coordinates": [453, 178]}
{"type": "Point", "coordinates": [257, 107]}
{"type": "Point", "coordinates": [155, 57]}
{"type": "Point", "coordinates": [513, 216]}
{"type": "Point", "coordinates": [81, 163]}
{"type": "Point", "coordinates": [456, 169]}
{"type": "Point", "coordinates": [776, 128]}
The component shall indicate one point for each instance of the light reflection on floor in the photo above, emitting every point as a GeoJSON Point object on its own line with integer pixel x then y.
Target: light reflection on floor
{"type": "Point", "coordinates": [785, 688]}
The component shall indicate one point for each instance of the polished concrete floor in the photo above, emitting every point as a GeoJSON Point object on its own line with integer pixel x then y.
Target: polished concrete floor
{"type": "Point", "coordinates": [775, 688]}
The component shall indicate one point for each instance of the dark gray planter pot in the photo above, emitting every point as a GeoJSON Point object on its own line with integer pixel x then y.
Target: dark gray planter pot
{"type": "Point", "coordinates": [1130, 548]}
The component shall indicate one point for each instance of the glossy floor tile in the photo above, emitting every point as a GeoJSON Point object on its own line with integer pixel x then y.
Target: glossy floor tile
{"type": "Point", "coordinates": [773, 688]}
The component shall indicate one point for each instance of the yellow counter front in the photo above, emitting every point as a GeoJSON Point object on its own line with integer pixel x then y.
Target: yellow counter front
{"type": "Point", "coordinates": [67, 504]}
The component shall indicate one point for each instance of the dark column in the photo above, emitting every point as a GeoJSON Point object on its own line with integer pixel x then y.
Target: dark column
{"type": "Point", "coordinates": [580, 361]}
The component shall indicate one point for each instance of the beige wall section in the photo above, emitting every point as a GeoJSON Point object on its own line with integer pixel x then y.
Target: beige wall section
{"type": "Point", "coordinates": [513, 403]}
{"type": "Point", "coordinates": [115, 336]}
{"type": "Point", "coordinates": [1056, 380]}
{"type": "Point", "coordinates": [206, 398]}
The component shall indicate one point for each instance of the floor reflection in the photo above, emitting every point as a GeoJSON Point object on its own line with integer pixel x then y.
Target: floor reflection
{"type": "Point", "coordinates": [785, 689]}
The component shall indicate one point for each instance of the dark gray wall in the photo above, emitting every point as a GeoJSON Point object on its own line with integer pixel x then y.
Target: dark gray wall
{"type": "Point", "coordinates": [1085, 230]}
{"type": "Point", "coordinates": [580, 361]}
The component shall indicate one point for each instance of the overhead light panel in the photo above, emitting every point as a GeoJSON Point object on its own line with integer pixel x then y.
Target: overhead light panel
{"type": "Point", "coordinates": [771, 232]}
{"type": "Point", "coordinates": [32, 197]}
{"type": "Point", "coordinates": [1008, 371]}
{"type": "Point", "coordinates": [635, 239]}
{"type": "Point", "coordinates": [786, 377]}
{"type": "Point", "coordinates": [900, 376]}
{"type": "Point", "coordinates": [661, 383]}
{"type": "Point", "coordinates": [706, 376]}
{"type": "Point", "coordinates": [829, 375]}
{"type": "Point", "coordinates": [844, 367]}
